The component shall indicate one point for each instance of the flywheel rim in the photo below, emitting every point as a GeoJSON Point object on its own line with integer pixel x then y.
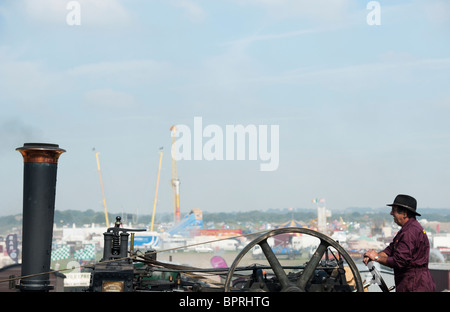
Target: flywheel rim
{"type": "Point", "coordinates": [325, 242]}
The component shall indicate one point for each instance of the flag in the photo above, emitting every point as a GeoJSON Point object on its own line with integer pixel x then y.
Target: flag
{"type": "Point", "coordinates": [218, 262]}
{"type": "Point", "coordinates": [12, 247]}
{"type": "Point", "coordinates": [60, 253]}
{"type": "Point", "coordinates": [87, 253]}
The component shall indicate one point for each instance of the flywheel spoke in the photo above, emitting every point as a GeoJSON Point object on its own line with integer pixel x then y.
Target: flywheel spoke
{"type": "Point", "coordinates": [312, 265]}
{"type": "Point", "coordinates": [275, 264]}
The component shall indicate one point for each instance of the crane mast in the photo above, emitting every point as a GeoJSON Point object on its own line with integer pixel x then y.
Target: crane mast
{"type": "Point", "coordinates": [103, 192]}
{"type": "Point", "coordinates": [175, 180]}
{"type": "Point", "coordinates": [156, 191]}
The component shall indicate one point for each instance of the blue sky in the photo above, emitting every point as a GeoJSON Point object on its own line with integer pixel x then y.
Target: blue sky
{"type": "Point", "coordinates": [362, 109]}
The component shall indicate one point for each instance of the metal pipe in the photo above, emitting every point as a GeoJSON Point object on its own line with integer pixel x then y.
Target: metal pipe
{"type": "Point", "coordinates": [107, 248]}
{"type": "Point", "coordinates": [124, 244]}
{"type": "Point", "coordinates": [39, 185]}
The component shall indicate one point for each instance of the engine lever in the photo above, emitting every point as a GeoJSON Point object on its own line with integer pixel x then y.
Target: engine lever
{"type": "Point", "coordinates": [377, 278]}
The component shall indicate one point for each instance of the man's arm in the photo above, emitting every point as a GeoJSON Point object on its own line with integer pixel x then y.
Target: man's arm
{"type": "Point", "coordinates": [372, 255]}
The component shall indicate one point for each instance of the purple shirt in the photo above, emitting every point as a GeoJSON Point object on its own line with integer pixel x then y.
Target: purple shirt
{"type": "Point", "coordinates": [408, 255]}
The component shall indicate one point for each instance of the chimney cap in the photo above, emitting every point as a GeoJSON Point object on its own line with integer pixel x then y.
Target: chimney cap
{"type": "Point", "coordinates": [40, 152]}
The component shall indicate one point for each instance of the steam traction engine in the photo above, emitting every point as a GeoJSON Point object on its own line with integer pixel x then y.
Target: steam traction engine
{"type": "Point", "coordinates": [330, 269]}
{"type": "Point", "coordinates": [115, 271]}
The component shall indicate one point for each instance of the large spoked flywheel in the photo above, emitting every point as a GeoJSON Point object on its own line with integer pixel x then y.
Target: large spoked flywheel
{"type": "Point", "coordinates": [303, 280]}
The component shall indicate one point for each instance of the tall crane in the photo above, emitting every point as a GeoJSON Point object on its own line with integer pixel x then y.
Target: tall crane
{"type": "Point", "coordinates": [175, 180]}
{"type": "Point", "coordinates": [103, 192]}
{"type": "Point", "coordinates": [156, 191]}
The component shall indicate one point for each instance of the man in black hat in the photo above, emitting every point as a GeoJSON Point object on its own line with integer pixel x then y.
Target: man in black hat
{"type": "Point", "coordinates": [408, 254]}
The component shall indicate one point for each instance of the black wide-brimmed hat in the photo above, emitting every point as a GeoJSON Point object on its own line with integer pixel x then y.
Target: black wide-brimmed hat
{"type": "Point", "coordinates": [407, 202]}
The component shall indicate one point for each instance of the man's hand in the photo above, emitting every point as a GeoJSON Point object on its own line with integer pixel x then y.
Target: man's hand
{"type": "Point", "coordinates": [370, 256]}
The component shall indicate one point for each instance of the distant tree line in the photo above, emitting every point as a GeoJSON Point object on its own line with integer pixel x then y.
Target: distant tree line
{"type": "Point", "coordinates": [87, 217]}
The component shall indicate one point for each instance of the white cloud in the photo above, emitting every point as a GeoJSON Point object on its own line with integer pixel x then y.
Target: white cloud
{"type": "Point", "coordinates": [317, 10]}
{"type": "Point", "coordinates": [224, 72]}
{"type": "Point", "coordinates": [192, 10]}
{"type": "Point", "coordinates": [437, 11]}
{"type": "Point", "coordinates": [26, 84]}
{"type": "Point", "coordinates": [93, 12]}
{"type": "Point", "coordinates": [50, 11]}
{"type": "Point", "coordinates": [108, 99]}
{"type": "Point", "coordinates": [368, 75]}
{"type": "Point", "coordinates": [30, 84]}
{"type": "Point", "coordinates": [253, 38]}
{"type": "Point", "coordinates": [125, 72]}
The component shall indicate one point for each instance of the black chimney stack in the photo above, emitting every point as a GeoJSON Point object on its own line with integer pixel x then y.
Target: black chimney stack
{"type": "Point", "coordinates": [39, 185]}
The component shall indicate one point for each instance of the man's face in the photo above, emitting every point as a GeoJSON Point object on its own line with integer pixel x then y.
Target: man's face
{"type": "Point", "coordinates": [399, 218]}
